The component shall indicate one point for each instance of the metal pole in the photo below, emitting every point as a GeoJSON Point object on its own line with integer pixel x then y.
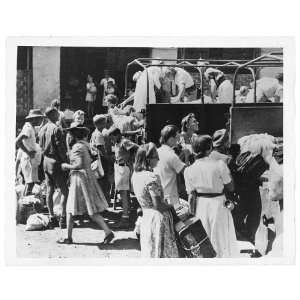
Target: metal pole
{"type": "Point", "coordinates": [126, 82]}
{"type": "Point", "coordinates": [255, 100]}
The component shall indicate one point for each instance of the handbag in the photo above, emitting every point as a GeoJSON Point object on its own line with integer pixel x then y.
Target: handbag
{"type": "Point", "coordinates": [97, 168]}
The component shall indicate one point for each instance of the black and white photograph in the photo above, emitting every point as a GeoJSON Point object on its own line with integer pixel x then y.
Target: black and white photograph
{"type": "Point", "coordinates": [144, 153]}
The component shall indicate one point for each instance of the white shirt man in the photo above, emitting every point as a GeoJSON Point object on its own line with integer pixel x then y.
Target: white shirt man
{"type": "Point", "coordinates": [183, 81]}
{"type": "Point", "coordinates": [168, 167]}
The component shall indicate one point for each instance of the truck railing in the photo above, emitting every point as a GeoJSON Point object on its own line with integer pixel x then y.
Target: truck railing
{"type": "Point", "coordinates": [144, 63]}
{"type": "Point", "coordinates": [254, 65]}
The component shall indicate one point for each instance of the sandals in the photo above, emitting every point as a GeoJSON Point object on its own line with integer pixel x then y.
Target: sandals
{"type": "Point", "coordinates": [66, 241]}
{"type": "Point", "coordinates": [108, 238]}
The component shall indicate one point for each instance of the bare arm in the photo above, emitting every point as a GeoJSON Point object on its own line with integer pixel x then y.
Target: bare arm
{"type": "Point", "coordinates": [76, 166]}
{"type": "Point", "coordinates": [213, 90]}
{"type": "Point", "coordinates": [229, 187]}
{"type": "Point", "coordinates": [19, 144]}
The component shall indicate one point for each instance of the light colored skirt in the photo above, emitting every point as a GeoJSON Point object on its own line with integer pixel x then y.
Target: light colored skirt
{"type": "Point", "coordinates": [85, 194]}
{"type": "Point", "coordinates": [218, 224]}
{"type": "Point", "coordinates": [30, 167]}
{"type": "Point", "coordinates": [122, 178]}
{"type": "Point", "coordinates": [157, 235]}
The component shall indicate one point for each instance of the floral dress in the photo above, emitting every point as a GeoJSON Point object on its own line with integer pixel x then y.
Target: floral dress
{"type": "Point", "coordinates": [157, 230]}
{"type": "Point", "coordinates": [85, 194]}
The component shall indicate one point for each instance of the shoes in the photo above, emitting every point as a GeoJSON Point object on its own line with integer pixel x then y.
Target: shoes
{"type": "Point", "coordinates": [63, 222]}
{"type": "Point", "coordinates": [108, 238]}
{"type": "Point", "coordinates": [66, 241]}
{"type": "Point", "coordinates": [52, 223]}
{"type": "Point", "coordinates": [122, 224]}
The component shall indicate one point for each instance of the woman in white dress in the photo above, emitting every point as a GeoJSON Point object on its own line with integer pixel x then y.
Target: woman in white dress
{"type": "Point", "coordinates": [157, 230]}
{"type": "Point", "coordinates": [207, 179]}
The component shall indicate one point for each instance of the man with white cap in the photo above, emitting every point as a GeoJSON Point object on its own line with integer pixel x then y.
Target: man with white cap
{"type": "Point", "coordinates": [221, 89]}
{"type": "Point", "coordinates": [30, 158]}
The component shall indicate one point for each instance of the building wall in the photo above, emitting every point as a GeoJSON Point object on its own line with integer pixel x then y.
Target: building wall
{"type": "Point", "coordinates": [270, 72]}
{"type": "Point", "coordinates": [164, 53]}
{"type": "Point", "coordinates": [46, 75]}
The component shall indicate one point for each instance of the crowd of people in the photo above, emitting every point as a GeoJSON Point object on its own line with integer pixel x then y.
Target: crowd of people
{"type": "Point", "coordinates": [199, 173]}
{"type": "Point", "coordinates": [187, 169]}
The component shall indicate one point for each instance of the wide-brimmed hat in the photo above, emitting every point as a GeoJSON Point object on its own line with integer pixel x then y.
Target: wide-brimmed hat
{"type": "Point", "coordinates": [219, 137]}
{"type": "Point", "coordinates": [34, 113]}
{"type": "Point", "coordinates": [78, 128]}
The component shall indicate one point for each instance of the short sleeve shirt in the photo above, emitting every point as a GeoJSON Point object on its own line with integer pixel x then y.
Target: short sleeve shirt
{"type": "Point", "coordinates": [168, 167]}
{"type": "Point", "coordinates": [183, 77]}
{"type": "Point", "coordinates": [122, 151]}
{"type": "Point", "coordinates": [97, 139]}
{"type": "Point", "coordinates": [30, 140]}
{"type": "Point", "coordinates": [207, 175]}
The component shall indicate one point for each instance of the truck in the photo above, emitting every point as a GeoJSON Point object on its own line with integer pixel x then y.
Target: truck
{"type": "Point", "coordinates": [240, 118]}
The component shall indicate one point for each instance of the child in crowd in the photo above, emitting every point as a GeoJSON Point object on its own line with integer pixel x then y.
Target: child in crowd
{"type": "Point", "coordinates": [124, 157]}
{"type": "Point", "coordinates": [90, 98]}
{"type": "Point", "coordinates": [100, 152]}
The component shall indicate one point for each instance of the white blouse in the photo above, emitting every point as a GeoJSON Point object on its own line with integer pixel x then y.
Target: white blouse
{"type": "Point", "coordinates": [207, 175]}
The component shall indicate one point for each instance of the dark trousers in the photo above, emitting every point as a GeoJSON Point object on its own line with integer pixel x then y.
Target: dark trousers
{"type": "Point", "coordinates": [247, 213]}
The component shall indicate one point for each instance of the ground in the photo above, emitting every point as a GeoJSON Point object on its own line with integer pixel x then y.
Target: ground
{"type": "Point", "coordinates": [87, 243]}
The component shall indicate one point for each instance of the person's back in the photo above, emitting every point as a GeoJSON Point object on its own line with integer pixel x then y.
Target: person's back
{"type": "Point", "coordinates": [50, 136]}
{"type": "Point", "coordinates": [80, 150]}
{"type": "Point", "coordinates": [168, 167]}
{"type": "Point", "coordinates": [206, 175]}
{"type": "Point", "coordinates": [182, 76]}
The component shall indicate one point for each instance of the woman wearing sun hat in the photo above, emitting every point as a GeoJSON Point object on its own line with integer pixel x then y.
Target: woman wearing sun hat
{"type": "Point", "coordinates": [85, 194]}
{"type": "Point", "coordinates": [31, 152]}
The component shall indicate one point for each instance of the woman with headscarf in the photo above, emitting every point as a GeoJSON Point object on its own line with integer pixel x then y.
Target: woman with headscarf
{"type": "Point", "coordinates": [220, 146]}
{"type": "Point", "coordinates": [221, 89]}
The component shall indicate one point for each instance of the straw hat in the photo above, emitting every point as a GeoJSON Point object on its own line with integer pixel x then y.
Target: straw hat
{"type": "Point", "coordinates": [34, 113]}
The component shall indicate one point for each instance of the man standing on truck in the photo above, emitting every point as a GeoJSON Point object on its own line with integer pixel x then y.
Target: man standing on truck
{"type": "Point", "coordinates": [221, 89]}
{"type": "Point", "coordinates": [182, 85]}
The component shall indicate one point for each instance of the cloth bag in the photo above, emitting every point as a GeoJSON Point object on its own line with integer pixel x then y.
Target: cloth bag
{"type": "Point", "coordinates": [97, 168]}
{"type": "Point", "coordinates": [37, 222]}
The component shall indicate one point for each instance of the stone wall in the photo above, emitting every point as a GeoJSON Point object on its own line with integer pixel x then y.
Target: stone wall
{"type": "Point", "coordinates": [24, 92]}
{"type": "Point", "coordinates": [46, 75]}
